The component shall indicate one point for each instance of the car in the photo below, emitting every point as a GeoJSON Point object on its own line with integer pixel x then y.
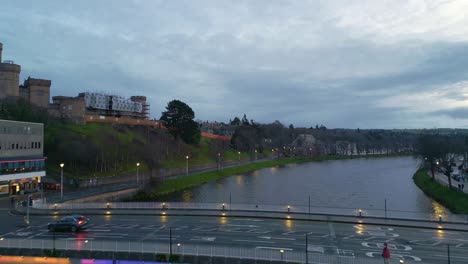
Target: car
{"type": "Point", "coordinates": [73, 223]}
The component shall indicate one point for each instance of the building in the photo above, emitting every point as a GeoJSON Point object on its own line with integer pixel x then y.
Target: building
{"type": "Point", "coordinates": [99, 104]}
{"type": "Point", "coordinates": [22, 161]}
{"type": "Point", "coordinates": [9, 77]}
{"type": "Point", "coordinates": [79, 109]}
{"type": "Point", "coordinates": [35, 91]}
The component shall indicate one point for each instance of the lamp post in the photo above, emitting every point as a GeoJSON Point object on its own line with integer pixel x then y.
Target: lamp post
{"type": "Point", "coordinates": [138, 176]}
{"type": "Point", "coordinates": [61, 181]}
{"type": "Point", "coordinates": [186, 165]}
{"type": "Point", "coordinates": [219, 161]}
{"type": "Point", "coordinates": [238, 153]}
{"type": "Point", "coordinates": [255, 154]}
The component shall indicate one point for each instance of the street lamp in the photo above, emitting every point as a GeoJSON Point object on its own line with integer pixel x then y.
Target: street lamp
{"type": "Point", "coordinates": [61, 181]}
{"type": "Point", "coordinates": [255, 154]}
{"type": "Point", "coordinates": [219, 161]}
{"type": "Point", "coordinates": [186, 165]}
{"type": "Point", "coordinates": [138, 176]}
{"type": "Point", "coordinates": [238, 153]}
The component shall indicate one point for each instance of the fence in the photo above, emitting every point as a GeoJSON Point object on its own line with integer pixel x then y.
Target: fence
{"type": "Point", "coordinates": [256, 208]}
{"type": "Point", "coordinates": [257, 253]}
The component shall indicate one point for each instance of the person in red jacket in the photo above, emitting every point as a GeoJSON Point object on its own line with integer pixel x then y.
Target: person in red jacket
{"type": "Point", "coordinates": [386, 254]}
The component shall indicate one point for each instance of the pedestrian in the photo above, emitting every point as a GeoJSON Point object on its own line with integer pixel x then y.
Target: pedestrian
{"type": "Point", "coordinates": [12, 201]}
{"type": "Point", "coordinates": [386, 254]}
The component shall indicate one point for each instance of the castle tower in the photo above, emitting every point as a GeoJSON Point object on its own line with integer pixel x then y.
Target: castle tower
{"type": "Point", "coordinates": [36, 91]}
{"type": "Point", "coordinates": [9, 77]}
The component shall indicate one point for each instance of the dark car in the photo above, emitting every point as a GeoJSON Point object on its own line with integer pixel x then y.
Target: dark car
{"type": "Point", "coordinates": [72, 223]}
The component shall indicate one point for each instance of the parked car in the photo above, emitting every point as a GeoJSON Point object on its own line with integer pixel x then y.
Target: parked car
{"type": "Point", "coordinates": [72, 223]}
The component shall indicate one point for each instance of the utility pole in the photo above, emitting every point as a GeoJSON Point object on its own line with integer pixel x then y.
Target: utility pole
{"type": "Point", "coordinates": [306, 249]}
{"type": "Point", "coordinates": [448, 253]}
{"type": "Point", "coordinates": [170, 243]}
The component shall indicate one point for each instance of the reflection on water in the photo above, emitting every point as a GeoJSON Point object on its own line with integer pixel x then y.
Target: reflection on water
{"type": "Point", "coordinates": [440, 212]}
{"type": "Point", "coordinates": [240, 180]}
{"type": "Point", "coordinates": [223, 220]}
{"type": "Point", "coordinates": [289, 224]}
{"type": "Point", "coordinates": [367, 184]}
{"type": "Point", "coordinates": [163, 218]}
{"type": "Point", "coordinates": [440, 234]}
{"type": "Point", "coordinates": [187, 196]}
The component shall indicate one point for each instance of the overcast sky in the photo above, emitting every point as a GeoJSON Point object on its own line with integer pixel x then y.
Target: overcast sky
{"type": "Point", "coordinates": [344, 64]}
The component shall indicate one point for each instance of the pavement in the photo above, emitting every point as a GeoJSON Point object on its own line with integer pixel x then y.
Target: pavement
{"type": "Point", "coordinates": [442, 179]}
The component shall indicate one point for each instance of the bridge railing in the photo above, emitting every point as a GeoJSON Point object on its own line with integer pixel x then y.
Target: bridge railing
{"type": "Point", "coordinates": [260, 208]}
{"type": "Point", "coordinates": [190, 250]}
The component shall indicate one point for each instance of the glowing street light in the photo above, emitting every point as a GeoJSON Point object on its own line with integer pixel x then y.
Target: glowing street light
{"type": "Point", "coordinates": [186, 165]}
{"type": "Point", "coordinates": [61, 181]}
{"type": "Point", "coordinates": [137, 174]}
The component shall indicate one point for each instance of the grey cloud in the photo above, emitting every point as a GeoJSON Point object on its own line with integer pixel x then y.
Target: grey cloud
{"type": "Point", "coordinates": [284, 60]}
{"type": "Point", "coordinates": [457, 113]}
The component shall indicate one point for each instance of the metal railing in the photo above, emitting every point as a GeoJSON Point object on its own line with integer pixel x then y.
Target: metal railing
{"type": "Point", "coordinates": [258, 208]}
{"type": "Point", "coordinates": [258, 253]}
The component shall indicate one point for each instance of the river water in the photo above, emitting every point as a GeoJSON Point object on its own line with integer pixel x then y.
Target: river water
{"type": "Point", "coordinates": [354, 183]}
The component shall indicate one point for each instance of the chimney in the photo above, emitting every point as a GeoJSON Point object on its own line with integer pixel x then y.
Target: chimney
{"type": "Point", "coordinates": [1, 49]}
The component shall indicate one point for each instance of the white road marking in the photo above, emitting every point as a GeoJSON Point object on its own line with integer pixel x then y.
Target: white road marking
{"type": "Point", "coordinates": [251, 226]}
{"type": "Point", "coordinates": [331, 229]}
{"type": "Point", "coordinates": [248, 219]}
{"type": "Point", "coordinates": [394, 255]}
{"type": "Point", "coordinates": [208, 239]}
{"type": "Point", "coordinates": [279, 238]}
{"type": "Point", "coordinates": [253, 241]}
{"type": "Point", "coordinates": [445, 232]}
{"type": "Point", "coordinates": [98, 230]}
{"type": "Point", "coordinates": [390, 246]}
{"type": "Point", "coordinates": [76, 238]}
{"type": "Point", "coordinates": [275, 248]}
{"type": "Point", "coordinates": [451, 256]}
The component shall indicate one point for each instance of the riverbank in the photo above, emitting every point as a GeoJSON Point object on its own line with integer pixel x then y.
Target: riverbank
{"type": "Point", "coordinates": [179, 184]}
{"type": "Point", "coordinates": [455, 201]}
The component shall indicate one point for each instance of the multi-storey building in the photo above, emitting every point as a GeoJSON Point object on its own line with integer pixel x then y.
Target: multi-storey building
{"type": "Point", "coordinates": [22, 161]}
{"type": "Point", "coordinates": [99, 104]}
